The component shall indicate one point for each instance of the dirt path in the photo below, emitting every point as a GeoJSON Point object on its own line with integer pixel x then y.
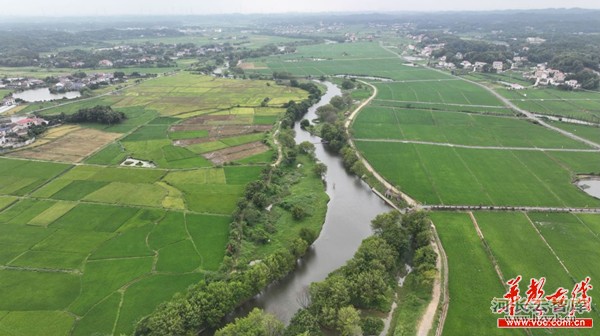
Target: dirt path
{"type": "Point", "coordinates": [428, 318]}
{"type": "Point", "coordinates": [410, 201]}
{"type": "Point", "coordinates": [278, 145]}
{"type": "Point", "coordinates": [481, 147]}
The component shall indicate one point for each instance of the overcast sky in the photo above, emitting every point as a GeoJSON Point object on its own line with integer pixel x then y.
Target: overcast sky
{"type": "Point", "coordinates": [153, 7]}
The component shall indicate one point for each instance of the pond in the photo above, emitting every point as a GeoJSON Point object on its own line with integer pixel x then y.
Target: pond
{"type": "Point", "coordinates": [591, 186]}
{"type": "Point", "coordinates": [44, 94]}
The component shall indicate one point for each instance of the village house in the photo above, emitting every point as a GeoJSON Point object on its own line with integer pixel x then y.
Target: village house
{"type": "Point", "coordinates": [105, 63]}
{"type": "Point", "coordinates": [466, 65]}
{"type": "Point", "coordinates": [478, 66]}
{"type": "Point", "coordinates": [498, 66]}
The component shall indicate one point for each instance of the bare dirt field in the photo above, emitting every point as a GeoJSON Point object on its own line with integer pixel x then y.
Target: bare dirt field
{"type": "Point", "coordinates": [236, 153]}
{"type": "Point", "coordinates": [72, 147]}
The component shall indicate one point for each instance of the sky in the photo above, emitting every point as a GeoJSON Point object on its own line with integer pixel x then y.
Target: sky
{"type": "Point", "coordinates": [199, 7]}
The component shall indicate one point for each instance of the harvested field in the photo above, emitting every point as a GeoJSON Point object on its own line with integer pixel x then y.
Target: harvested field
{"type": "Point", "coordinates": [72, 147]}
{"type": "Point", "coordinates": [215, 133]}
{"type": "Point", "coordinates": [251, 66]}
{"type": "Point", "coordinates": [236, 153]}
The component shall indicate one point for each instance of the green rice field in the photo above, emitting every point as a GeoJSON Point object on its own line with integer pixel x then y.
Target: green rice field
{"type": "Point", "coordinates": [91, 248]}
{"type": "Point", "coordinates": [518, 249]}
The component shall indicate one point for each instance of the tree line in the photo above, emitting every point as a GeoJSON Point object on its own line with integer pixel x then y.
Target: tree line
{"type": "Point", "coordinates": [364, 283]}
{"type": "Point", "coordinates": [101, 114]}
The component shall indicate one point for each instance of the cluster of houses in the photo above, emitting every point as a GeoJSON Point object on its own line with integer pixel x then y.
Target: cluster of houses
{"type": "Point", "coordinates": [14, 130]}
{"type": "Point", "coordinates": [59, 84]}
{"type": "Point", "coordinates": [545, 76]}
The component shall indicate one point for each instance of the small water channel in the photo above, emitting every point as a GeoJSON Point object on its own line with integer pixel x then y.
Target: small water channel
{"type": "Point", "coordinates": [44, 94]}
{"type": "Point", "coordinates": [350, 210]}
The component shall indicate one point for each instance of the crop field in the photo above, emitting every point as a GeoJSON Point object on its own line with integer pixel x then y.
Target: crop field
{"type": "Point", "coordinates": [456, 128]}
{"type": "Point", "coordinates": [452, 91]}
{"type": "Point", "coordinates": [101, 237]}
{"type": "Point", "coordinates": [574, 104]}
{"type": "Point", "coordinates": [441, 175]}
{"type": "Point", "coordinates": [469, 295]}
{"type": "Point", "coordinates": [72, 147]}
{"type": "Point", "coordinates": [472, 279]}
{"type": "Point", "coordinates": [95, 255]}
{"type": "Point", "coordinates": [388, 67]}
{"type": "Point", "coordinates": [587, 132]}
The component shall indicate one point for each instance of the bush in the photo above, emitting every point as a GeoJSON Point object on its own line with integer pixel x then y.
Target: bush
{"type": "Point", "coordinates": [371, 326]}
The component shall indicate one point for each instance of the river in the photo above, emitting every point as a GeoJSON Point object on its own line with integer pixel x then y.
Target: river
{"type": "Point", "coordinates": [350, 210]}
{"type": "Point", "coordinates": [44, 94]}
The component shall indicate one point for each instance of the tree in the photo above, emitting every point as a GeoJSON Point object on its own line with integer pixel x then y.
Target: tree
{"type": "Point", "coordinates": [257, 323]}
{"type": "Point", "coordinates": [348, 85]}
{"type": "Point", "coordinates": [371, 326]}
{"type": "Point", "coordinates": [348, 323]}
{"type": "Point", "coordinates": [304, 123]}
{"type": "Point", "coordinates": [306, 147]}
{"type": "Point", "coordinates": [303, 322]}
{"type": "Point", "coordinates": [320, 169]}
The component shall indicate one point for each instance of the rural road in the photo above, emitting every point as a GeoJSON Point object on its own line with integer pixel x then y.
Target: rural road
{"type": "Point", "coordinates": [480, 147]}
{"type": "Point", "coordinates": [411, 202]}
{"type": "Point", "coordinates": [514, 107]}
{"type": "Point", "coordinates": [533, 117]}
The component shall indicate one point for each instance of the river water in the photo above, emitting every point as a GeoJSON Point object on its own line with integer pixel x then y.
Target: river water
{"type": "Point", "coordinates": [350, 210]}
{"type": "Point", "coordinates": [44, 94]}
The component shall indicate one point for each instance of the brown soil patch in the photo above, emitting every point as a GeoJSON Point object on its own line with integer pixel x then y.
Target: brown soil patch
{"type": "Point", "coordinates": [249, 66]}
{"type": "Point", "coordinates": [72, 147]}
{"type": "Point", "coordinates": [217, 132]}
{"type": "Point", "coordinates": [236, 153]}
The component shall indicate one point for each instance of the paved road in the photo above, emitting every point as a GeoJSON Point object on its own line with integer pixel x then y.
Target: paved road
{"type": "Point", "coordinates": [481, 147]}
{"type": "Point", "coordinates": [533, 117]}
{"type": "Point", "coordinates": [508, 208]}
{"type": "Point", "coordinates": [510, 104]}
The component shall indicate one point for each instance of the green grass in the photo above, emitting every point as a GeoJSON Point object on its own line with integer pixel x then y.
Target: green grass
{"type": "Point", "coordinates": [180, 257]}
{"type": "Point", "coordinates": [456, 128]}
{"type": "Point", "coordinates": [137, 303]}
{"type": "Point", "coordinates": [20, 177]}
{"type": "Point", "coordinates": [472, 280]}
{"type": "Point", "coordinates": [24, 211]}
{"type": "Point", "coordinates": [51, 214]}
{"type": "Point", "coordinates": [572, 240]}
{"type": "Point", "coordinates": [50, 323]}
{"type": "Point", "coordinates": [70, 242]}
{"type": "Point", "coordinates": [50, 260]}
{"type": "Point", "coordinates": [131, 243]}
{"type": "Point", "coordinates": [102, 277]}
{"type": "Point", "coordinates": [171, 229]}
{"type": "Point", "coordinates": [241, 174]}
{"type": "Point", "coordinates": [58, 290]}
{"type": "Point", "coordinates": [440, 175]}
{"type": "Point", "coordinates": [187, 134]}
{"type": "Point", "coordinates": [112, 155]}
{"type": "Point", "coordinates": [210, 235]}
{"type": "Point", "coordinates": [519, 249]}
{"type": "Point", "coordinates": [100, 319]}
{"type": "Point", "coordinates": [573, 104]}
{"type": "Point", "coordinates": [587, 132]}
{"type": "Point", "coordinates": [94, 217]}
{"type": "Point", "coordinates": [150, 132]}
{"type": "Point", "coordinates": [129, 194]}
{"type": "Point", "coordinates": [6, 201]}
{"type": "Point", "coordinates": [96, 231]}
{"type": "Point", "coordinates": [77, 190]}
